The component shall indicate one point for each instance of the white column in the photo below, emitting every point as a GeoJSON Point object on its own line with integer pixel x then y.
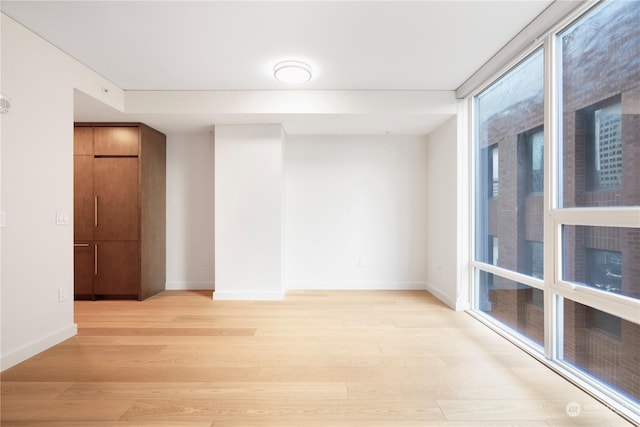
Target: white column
{"type": "Point", "coordinates": [248, 212]}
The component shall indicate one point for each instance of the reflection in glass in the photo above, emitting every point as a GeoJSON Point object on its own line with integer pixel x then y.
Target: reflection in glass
{"type": "Point", "coordinates": [605, 258]}
{"type": "Point", "coordinates": [509, 148]}
{"type": "Point", "coordinates": [599, 70]}
{"type": "Point", "coordinates": [535, 150]}
{"type": "Point", "coordinates": [605, 147]}
{"type": "Point", "coordinates": [603, 346]}
{"type": "Point", "coordinates": [518, 306]}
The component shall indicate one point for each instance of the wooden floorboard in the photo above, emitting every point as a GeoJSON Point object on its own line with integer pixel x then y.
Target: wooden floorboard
{"type": "Point", "coordinates": [330, 359]}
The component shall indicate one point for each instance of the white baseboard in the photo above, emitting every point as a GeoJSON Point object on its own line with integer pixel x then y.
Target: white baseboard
{"type": "Point", "coordinates": [38, 346]}
{"type": "Point", "coordinates": [190, 286]}
{"type": "Point", "coordinates": [451, 302]}
{"type": "Point", "coordinates": [356, 286]}
{"type": "Point", "coordinates": [462, 305]}
{"type": "Point", "coordinates": [248, 296]}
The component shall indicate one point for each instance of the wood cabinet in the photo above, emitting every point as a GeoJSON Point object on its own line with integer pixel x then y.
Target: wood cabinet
{"type": "Point", "coordinates": [83, 263]}
{"type": "Point", "coordinates": [83, 198]}
{"type": "Point", "coordinates": [115, 198]}
{"type": "Point", "coordinates": [119, 210]}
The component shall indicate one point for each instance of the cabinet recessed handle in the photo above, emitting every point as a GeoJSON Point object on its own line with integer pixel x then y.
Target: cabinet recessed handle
{"type": "Point", "coordinates": [95, 259]}
{"type": "Point", "coordinates": [95, 210]}
{"type": "Point", "coordinates": [81, 245]}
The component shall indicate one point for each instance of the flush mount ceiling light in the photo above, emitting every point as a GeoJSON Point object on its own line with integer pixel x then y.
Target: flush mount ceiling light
{"type": "Point", "coordinates": [292, 72]}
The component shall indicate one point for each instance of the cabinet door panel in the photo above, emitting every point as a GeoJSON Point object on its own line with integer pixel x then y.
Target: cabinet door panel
{"type": "Point", "coordinates": [83, 141]}
{"type": "Point", "coordinates": [83, 264]}
{"type": "Point", "coordinates": [116, 141]}
{"type": "Point", "coordinates": [117, 202]}
{"type": "Point", "coordinates": [83, 197]}
{"type": "Point", "coordinates": [117, 268]}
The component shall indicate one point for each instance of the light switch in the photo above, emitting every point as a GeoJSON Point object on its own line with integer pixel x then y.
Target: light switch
{"type": "Point", "coordinates": [62, 218]}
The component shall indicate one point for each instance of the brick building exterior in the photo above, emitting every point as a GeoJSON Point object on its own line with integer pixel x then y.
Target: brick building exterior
{"type": "Point", "coordinates": [602, 62]}
{"type": "Point", "coordinates": [600, 84]}
{"type": "Point", "coordinates": [510, 220]}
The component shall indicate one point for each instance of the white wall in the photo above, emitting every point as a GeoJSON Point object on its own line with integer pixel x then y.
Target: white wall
{"type": "Point", "coordinates": [442, 218]}
{"type": "Point", "coordinates": [372, 190]}
{"type": "Point", "coordinates": [356, 212]}
{"type": "Point", "coordinates": [190, 211]}
{"type": "Point", "coordinates": [37, 182]}
{"type": "Point", "coordinates": [248, 211]}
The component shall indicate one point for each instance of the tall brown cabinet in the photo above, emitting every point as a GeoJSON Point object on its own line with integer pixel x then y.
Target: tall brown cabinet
{"type": "Point", "coordinates": [119, 210]}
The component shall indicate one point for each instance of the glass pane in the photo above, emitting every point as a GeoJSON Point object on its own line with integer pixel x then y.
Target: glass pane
{"type": "Point", "coordinates": [495, 161]}
{"type": "Point", "coordinates": [600, 72]}
{"type": "Point", "coordinates": [535, 149]}
{"type": "Point", "coordinates": [606, 151]}
{"type": "Point", "coordinates": [518, 306]}
{"type": "Point", "coordinates": [606, 258]}
{"type": "Point", "coordinates": [604, 346]}
{"type": "Point", "coordinates": [510, 167]}
{"type": "Point", "coordinates": [536, 256]}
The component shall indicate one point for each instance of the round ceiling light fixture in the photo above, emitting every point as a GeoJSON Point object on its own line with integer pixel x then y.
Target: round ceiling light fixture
{"type": "Point", "coordinates": [292, 72]}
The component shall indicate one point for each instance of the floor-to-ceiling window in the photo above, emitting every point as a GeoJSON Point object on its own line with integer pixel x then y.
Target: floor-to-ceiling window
{"type": "Point", "coordinates": [509, 209]}
{"type": "Point", "coordinates": [557, 248]}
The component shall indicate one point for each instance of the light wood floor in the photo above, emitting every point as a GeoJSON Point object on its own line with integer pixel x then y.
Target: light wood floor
{"type": "Point", "coordinates": [389, 359]}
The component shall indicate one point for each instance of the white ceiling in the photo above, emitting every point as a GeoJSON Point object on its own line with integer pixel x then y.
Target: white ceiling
{"type": "Point", "coordinates": [233, 45]}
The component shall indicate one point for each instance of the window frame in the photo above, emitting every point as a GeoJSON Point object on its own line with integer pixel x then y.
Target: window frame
{"type": "Point", "coordinates": [555, 289]}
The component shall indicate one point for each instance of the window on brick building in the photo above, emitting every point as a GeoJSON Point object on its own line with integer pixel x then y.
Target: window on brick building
{"type": "Point", "coordinates": [604, 269]}
{"type": "Point", "coordinates": [537, 297]}
{"type": "Point", "coordinates": [612, 271]}
{"type": "Point", "coordinates": [501, 108]}
{"type": "Point", "coordinates": [514, 99]}
{"type": "Point", "coordinates": [516, 305]}
{"type": "Point", "coordinates": [594, 342]}
{"type": "Point", "coordinates": [599, 89]}
{"type": "Point", "coordinates": [535, 259]}
{"type": "Point", "coordinates": [494, 162]}
{"type": "Point", "coordinates": [534, 160]}
{"type": "Point", "coordinates": [535, 268]}
{"type": "Point", "coordinates": [603, 322]}
{"type": "Point", "coordinates": [603, 149]}
{"type": "Point", "coordinates": [492, 258]}
{"type": "Point", "coordinates": [493, 250]}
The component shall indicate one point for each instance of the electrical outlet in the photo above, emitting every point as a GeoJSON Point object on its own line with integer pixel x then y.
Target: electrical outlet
{"type": "Point", "coordinates": [62, 294]}
{"type": "Point", "coordinates": [362, 262]}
